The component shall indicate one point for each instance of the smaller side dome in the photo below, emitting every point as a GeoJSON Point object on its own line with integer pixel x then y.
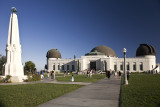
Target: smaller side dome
{"type": "Point", "coordinates": [145, 49]}
{"type": "Point", "coordinates": [53, 53]}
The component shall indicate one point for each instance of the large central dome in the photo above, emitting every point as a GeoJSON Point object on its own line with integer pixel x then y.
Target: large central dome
{"type": "Point", "coordinates": [105, 50]}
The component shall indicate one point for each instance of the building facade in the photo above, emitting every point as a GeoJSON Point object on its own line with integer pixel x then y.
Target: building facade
{"type": "Point", "coordinates": [104, 58]}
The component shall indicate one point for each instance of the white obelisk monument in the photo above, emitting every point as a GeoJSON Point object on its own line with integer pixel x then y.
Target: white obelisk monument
{"type": "Point", "coordinates": [13, 65]}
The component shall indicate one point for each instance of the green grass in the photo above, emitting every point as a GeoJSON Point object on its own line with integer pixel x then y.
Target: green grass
{"type": "Point", "coordinates": [59, 74]}
{"type": "Point", "coordinates": [143, 91]}
{"type": "Point", "coordinates": [81, 78]}
{"type": "Point", "coordinates": [62, 74]}
{"type": "Point", "coordinates": [30, 95]}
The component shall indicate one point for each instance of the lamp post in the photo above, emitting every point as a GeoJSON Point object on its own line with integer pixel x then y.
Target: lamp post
{"type": "Point", "coordinates": [125, 77]}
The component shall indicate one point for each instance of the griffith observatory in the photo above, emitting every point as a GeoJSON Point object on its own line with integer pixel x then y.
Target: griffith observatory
{"type": "Point", "coordinates": [104, 58]}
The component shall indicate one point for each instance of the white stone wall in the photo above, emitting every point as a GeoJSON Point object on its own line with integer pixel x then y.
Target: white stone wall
{"type": "Point", "coordinates": [60, 62]}
{"type": "Point", "coordinates": [148, 62]}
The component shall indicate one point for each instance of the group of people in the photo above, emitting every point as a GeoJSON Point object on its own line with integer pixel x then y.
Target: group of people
{"type": "Point", "coordinates": [84, 72]}
{"type": "Point", "coordinates": [90, 73]}
{"type": "Point", "coordinates": [152, 72]}
{"type": "Point", "coordinates": [52, 75]}
{"type": "Point", "coordinates": [115, 73]}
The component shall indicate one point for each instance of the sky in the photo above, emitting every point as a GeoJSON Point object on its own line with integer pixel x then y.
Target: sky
{"type": "Point", "coordinates": [75, 27]}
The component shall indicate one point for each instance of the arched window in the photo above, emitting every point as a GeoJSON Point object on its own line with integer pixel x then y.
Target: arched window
{"type": "Point", "coordinates": [53, 66]}
{"type": "Point", "coordinates": [115, 67]}
{"type": "Point", "coordinates": [121, 66]}
{"type": "Point", "coordinates": [128, 66]}
{"type": "Point", "coordinates": [141, 66]}
{"type": "Point", "coordinates": [63, 67]}
{"type": "Point", "coordinates": [67, 67]}
{"type": "Point", "coordinates": [73, 68]}
{"type": "Point", "coordinates": [58, 66]}
{"type": "Point", "coordinates": [134, 66]}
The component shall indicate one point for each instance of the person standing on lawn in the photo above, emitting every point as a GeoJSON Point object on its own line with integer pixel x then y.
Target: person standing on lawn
{"type": "Point", "coordinates": [128, 75]}
{"type": "Point", "coordinates": [119, 73]}
{"type": "Point", "coordinates": [108, 74]}
{"type": "Point", "coordinates": [72, 79]}
{"type": "Point", "coordinates": [64, 73]}
{"type": "Point", "coordinates": [51, 75]}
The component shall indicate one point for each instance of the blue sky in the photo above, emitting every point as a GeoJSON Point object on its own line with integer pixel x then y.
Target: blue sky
{"type": "Point", "coordinates": [74, 27]}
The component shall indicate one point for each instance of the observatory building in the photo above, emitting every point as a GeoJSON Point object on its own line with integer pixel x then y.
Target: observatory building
{"type": "Point", "coordinates": [104, 58]}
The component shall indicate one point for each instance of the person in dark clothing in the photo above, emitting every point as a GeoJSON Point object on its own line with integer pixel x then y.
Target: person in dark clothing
{"type": "Point", "coordinates": [87, 74]}
{"type": "Point", "coordinates": [119, 73]}
{"type": "Point", "coordinates": [51, 75]}
{"type": "Point", "coordinates": [108, 74]}
{"type": "Point", "coordinates": [127, 75]}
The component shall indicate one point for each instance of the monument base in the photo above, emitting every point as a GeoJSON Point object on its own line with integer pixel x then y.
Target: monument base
{"type": "Point", "coordinates": [18, 78]}
{"type": "Point", "coordinates": [14, 79]}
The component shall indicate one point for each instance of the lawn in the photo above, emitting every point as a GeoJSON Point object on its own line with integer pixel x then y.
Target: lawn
{"type": "Point", "coordinates": [82, 78]}
{"type": "Point", "coordinates": [30, 95]}
{"type": "Point", "coordinates": [143, 91]}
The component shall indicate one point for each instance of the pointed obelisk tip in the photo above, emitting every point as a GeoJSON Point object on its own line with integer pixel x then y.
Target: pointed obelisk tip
{"type": "Point", "coordinates": [13, 9]}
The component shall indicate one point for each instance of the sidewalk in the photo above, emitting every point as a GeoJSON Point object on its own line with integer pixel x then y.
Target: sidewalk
{"type": "Point", "coordinates": [104, 93]}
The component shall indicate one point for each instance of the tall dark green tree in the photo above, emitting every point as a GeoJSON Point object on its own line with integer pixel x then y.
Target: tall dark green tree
{"type": "Point", "coordinates": [78, 67]}
{"type": "Point", "coordinates": [29, 67]}
{"type": "Point", "coordinates": [2, 62]}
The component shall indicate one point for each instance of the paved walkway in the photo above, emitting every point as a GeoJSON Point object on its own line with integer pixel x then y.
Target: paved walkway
{"type": "Point", "coordinates": [104, 93]}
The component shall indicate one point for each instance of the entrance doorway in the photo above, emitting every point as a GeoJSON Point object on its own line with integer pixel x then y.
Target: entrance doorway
{"type": "Point", "coordinates": [93, 65]}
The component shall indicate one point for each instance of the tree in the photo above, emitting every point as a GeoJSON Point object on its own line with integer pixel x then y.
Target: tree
{"type": "Point", "coordinates": [2, 62]}
{"type": "Point", "coordinates": [29, 67]}
{"type": "Point", "coordinates": [78, 68]}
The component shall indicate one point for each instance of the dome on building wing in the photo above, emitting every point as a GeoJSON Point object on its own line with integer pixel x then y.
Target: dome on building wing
{"type": "Point", "coordinates": [145, 49]}
{"type": "Point", "coordinates": [104, 50]}
{"type": "Point", "coordinates": [53, 53]}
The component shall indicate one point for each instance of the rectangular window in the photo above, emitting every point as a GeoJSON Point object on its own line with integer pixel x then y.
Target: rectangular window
{"type": "Point", "coordinates": [67, 67]}
{"type": "Point", "coordinates": [141, 66]}
{"type": "Point", "coordinates": [127, 66]}
{"type": "Point", "coordinates": [121, 66]}
{"type": "Point", "coordinates": [105, 66]}
{"type": "Point", "coordinates": [73, 68]}
{"type": "Point", "coordinates": [115, 67]}
{"type": "Point", "coordinates": [54, 67]}
{"type": "Point", "coordinates": [62, 67]}
{"type": "Point", "coordinates": [58, 66]}
{"type": "Point", "coordinates": [134, 66]}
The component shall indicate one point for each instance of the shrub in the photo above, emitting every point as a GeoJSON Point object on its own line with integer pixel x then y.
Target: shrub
{"type": "Point", "coordinates": [33, 77]}
{"type": "Point", "coordinates": [7, 79]}
{"type": "Point", "coordinates": [1, 79]}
